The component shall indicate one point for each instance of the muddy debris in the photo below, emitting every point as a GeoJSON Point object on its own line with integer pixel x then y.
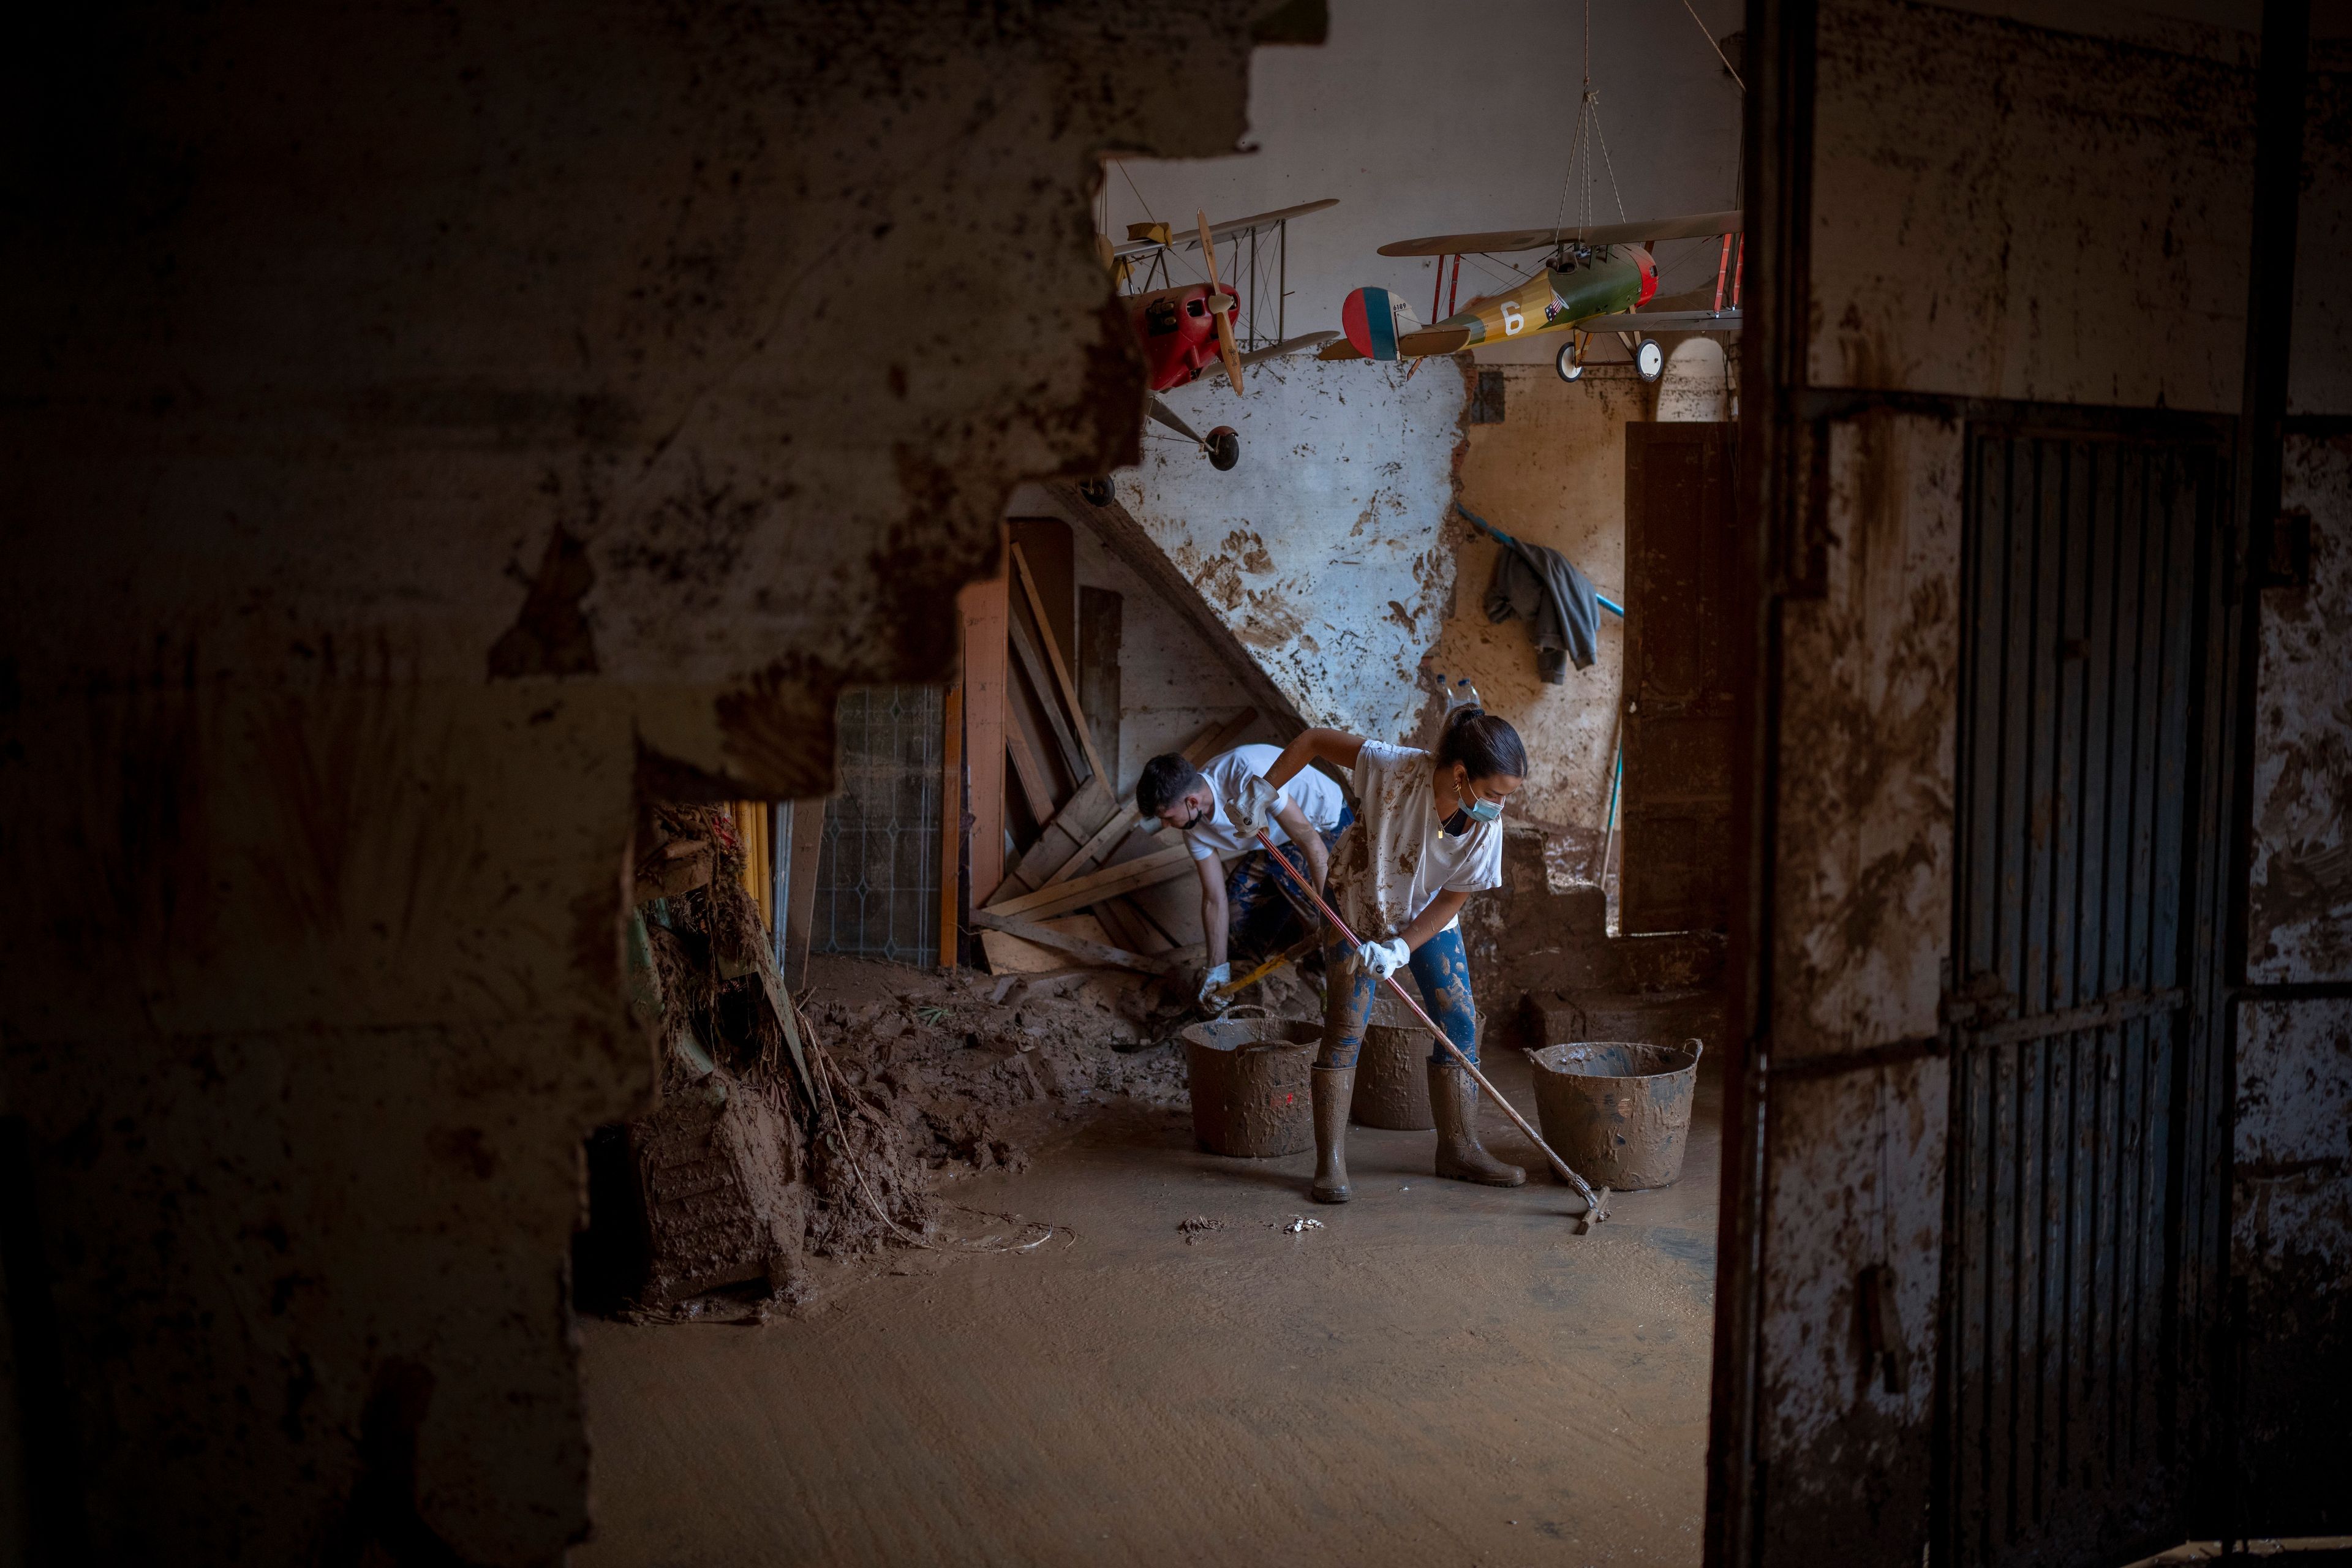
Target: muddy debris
{"type": "Point", "coordinates": [821, 1128]}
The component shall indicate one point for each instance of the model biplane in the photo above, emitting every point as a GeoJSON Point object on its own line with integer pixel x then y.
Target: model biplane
{"type": "Point", "coordinates": [1597, 278]}
{"type": "Point", "coordinates": [1188, 329]}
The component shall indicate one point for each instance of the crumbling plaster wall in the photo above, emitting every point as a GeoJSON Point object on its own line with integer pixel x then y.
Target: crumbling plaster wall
{"type": "Point", "coordinates": [1863, 922]}
{"type": "Point", "coordinates": [1959, 274]}
{"type": "Point", "coordinates": [1999, 210]}
{"type": "Point", "coordinates": [428, 430]}
{"type": "Point", "coordinates": [1328, 548]}
{"type": "Point", "coordinates": [1552, 473]}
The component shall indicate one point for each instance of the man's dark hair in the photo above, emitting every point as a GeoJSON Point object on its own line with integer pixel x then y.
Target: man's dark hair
{"type": "Point", "coordinates": [1483, 742]}
{"type": "Point", "coordinates": [1163, 779]}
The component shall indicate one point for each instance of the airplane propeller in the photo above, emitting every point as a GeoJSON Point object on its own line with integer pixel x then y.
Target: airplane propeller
{"type": "Point", "coordinates": [1220, 305]}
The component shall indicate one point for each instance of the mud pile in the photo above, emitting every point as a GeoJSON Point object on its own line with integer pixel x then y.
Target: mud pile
{"type": "Point", "coordinates": [823, 1126]}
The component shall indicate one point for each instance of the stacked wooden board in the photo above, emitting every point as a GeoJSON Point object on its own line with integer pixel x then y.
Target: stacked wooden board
{"type": "Point", "coordinates": [1032, 917]}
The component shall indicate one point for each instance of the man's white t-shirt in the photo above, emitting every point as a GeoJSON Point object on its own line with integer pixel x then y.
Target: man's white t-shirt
{"type": "Point", "coordinates": [1311, 792]}
{"type": "Point", "coordinates": [1394, 860]}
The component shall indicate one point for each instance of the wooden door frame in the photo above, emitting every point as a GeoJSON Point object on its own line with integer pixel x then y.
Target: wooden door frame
{"type": "Point", "coordinates": [1638, 787]}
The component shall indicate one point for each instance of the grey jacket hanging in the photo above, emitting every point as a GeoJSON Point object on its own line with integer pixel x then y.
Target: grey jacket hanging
{"type": "Point", "coordinates": [1538, 584]}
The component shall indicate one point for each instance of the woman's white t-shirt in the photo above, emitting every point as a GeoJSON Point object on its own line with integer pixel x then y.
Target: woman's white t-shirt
{"type": "Point", "coordinates": [1394, 860]}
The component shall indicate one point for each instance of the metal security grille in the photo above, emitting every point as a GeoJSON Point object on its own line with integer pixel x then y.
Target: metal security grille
{"type": "Point", "coordinates": [2060, 1402]}
{"type": "Point", "coordinates": [877, 877]}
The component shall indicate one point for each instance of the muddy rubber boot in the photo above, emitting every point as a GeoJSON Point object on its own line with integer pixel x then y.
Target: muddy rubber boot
{"type": "Point", "coordinates": [1335, 1092]}
{"type": "Point", "coordinates": [1454, 1098]}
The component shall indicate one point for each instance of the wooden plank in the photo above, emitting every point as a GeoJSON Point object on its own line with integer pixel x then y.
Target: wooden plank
{"type": "Point", "coordinates": [1033, 668]}
{"type": "Point", "coordinates": [1054, 656]}
{"type": "Point", "coordinates": [800, 917]}
{"type": "Point", "coordinates": [1119, 924]}
{"type": "Point", "coordinates": [1079, 947]}
{"type": "Point", "coordinates": [1157, 936]}
{"type": "Point", "coordinates": [1210, 740]}
{"type": "Point", "coordinates": [1079, 892]}
{"type": "Point", "coordinates": [1131, 928]}
{"type": "Point", "coordinates": [1049, 550]}
{"type": "Point", "coordinates": [984, 609]}
{"type": "Point", "coordinates": [1213, 739]}
{"type": "Point", "coordinates": [779, 1002]}
{"type": "Point", "coordinates": [1012, 955]}
{"type": "Point", "coordinates": [1033, 786]}
{"type": "Point", "coordinates": [1071, 827]}
{"type": "Point", "coordinates": [952, 827]}
{"type": "Point", "coordinates": [1101, 631]}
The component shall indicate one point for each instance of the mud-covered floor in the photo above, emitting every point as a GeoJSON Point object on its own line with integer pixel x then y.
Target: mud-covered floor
{"type": "Point", "coordinates": [1442, 1375]}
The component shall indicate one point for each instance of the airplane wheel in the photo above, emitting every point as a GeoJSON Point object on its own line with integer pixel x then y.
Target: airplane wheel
{"type": "Point", "coordinates": [1570, 367]}
{"type": "Point", "coordinates": [1096, 490]}
{"type": "Point", "coordinates": [1649, 359]}
{"type": "Point", "coordinates": [1225, 447]}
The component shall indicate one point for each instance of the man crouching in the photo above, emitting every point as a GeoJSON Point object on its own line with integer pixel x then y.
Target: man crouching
{"type": "Point", "coordinates": [1252, 910]}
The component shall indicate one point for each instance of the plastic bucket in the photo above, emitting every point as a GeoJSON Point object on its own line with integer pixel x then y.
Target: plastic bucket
{"type": "Point", "coordinates": [1251, 1094]}
{"type": "Point", "coordinates": [1617, 1111]}
{"type": "Point", "coordinates": [1392, 1076]}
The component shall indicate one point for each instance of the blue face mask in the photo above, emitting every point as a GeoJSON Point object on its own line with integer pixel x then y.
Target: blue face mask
{"type": "Point", "coordinates": [1464, 816]}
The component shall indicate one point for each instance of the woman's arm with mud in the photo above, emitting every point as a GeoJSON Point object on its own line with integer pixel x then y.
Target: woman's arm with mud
{"type": "Point", "coordinates": [1333, 746]}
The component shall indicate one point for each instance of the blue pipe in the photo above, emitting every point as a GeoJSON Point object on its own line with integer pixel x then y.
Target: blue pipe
{"type": "Point", "coordinates": [1607, 603]}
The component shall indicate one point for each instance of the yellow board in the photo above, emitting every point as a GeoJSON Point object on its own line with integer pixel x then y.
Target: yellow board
{"type": "Point", "coordinates": [751, 827]}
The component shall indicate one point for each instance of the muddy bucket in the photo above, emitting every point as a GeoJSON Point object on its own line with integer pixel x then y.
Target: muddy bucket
{"type": "Point", "coordinates": [1392, 1076]}
{"type": "Point", "coordinates": [1618, 1111]}
{"type": "Point", "coordinates": [1251, 1094]}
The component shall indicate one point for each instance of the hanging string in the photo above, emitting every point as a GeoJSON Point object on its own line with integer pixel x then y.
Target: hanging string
{"type": "Point", "coordinates": [1599, 136]}
{"type": "Point", "coordinates": [1588, 112]}
{"type": "Point", "coordinates": [1715, 47]}
{"type": "Point", "coordinates": [1576, 139]}
{"type": "Point", "coordinates": [1136, 188]}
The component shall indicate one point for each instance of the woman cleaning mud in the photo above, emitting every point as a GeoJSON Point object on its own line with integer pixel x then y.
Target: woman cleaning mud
{"type": "Point", "coordinates": [1429, 835]}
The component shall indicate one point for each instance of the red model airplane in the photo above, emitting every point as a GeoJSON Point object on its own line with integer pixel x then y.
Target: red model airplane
{"type": "Point", "coordinates": [1186, 329]}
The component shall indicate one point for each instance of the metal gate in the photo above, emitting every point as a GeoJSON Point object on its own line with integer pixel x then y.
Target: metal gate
{"type": "Point", "coordinates": [2062, 1404]}
{"type": "Point", "coordinates": [877, 890]}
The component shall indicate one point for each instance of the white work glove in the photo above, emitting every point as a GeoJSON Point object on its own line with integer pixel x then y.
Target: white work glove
{"type": "Point", "coordinates": [1209, 983]}
{"type": "Point", "coordinates": [1255, 808]}
{"type": "Point", "coordinates": [1383, 958]}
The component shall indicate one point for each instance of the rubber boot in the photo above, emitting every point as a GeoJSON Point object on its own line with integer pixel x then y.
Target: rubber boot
{"type": "Point", "coordinates": [1454, 1098]}
{"type": "Point", "coordinates": [1335, 1092]}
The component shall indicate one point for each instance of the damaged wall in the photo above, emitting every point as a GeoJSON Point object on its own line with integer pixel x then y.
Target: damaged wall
{"type": "Point", "coordinates": [1965, 275]}
{"type": "Point", "coordinates": [1326, 549]}
{"type": "Point", "coordinates": [1552, 473]}
{"type": "Point", "coordinates": [426, 431]}
{"type": "Point", "coordinates": [1172, 681]}
{"type": "Point", "coordinates": [1997, 211]}
{"type": "Point", "coordinates": [2300, 900]}
{"type": "Point", "coordinates": [1861, 934]}
{"type": "Point", "coordinates": [2292, 1227]}
{"type": "Point", "coordinates": [2291, 1234]}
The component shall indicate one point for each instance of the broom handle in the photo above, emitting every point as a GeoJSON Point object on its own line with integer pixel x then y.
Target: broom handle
{"type": "Point", "coordinates": [1591, 1204]}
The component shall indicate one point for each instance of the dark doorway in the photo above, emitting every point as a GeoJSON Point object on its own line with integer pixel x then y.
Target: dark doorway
{"type": "Point", "coordinates": [1681, 523]}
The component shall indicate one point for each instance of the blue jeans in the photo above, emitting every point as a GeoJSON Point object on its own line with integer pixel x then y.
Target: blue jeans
{"type": "Point", "coordinates": [1265, 911]}
{"type": "Point", "coordinates": [1441, 967]}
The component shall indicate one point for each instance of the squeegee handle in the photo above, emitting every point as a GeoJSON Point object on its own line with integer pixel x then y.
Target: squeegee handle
{"type": "Point", "coordinates": [1592, 1203]}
